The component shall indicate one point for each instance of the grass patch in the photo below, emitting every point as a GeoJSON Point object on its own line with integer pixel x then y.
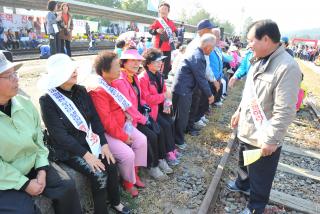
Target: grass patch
{"type": "Point", "coordinates": [311, 79]}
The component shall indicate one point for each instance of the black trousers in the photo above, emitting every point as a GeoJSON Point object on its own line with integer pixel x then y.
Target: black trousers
{"type": "Point", "coordinates": [194, 107]}
{"type": "Point", "coordinates": [167, 128]}
{"type": "Point", "coordinates": [203, 105]}
{"type": "Point", "coordinates": [181, 108]}
{"type": "Point", "coordinates": [59, 187]}
{"type": "Point", "coordinates": [54, 44]}
{"type": "Point", "coordinates": [103, 184]}
{"type": "Point", "coordinates": [167, 64]}
{"type": "Point", "coordinates": [65, 43]}
{"type": "Point", "coordinates": [156, 147]}
{"type": "Point", "coordinates": [216, 93]}
{"type": "Point", "coordinates": [258, 176]}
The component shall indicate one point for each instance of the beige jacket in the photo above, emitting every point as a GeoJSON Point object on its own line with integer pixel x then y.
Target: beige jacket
{"type": "Point", "coordinates": [276, 84]}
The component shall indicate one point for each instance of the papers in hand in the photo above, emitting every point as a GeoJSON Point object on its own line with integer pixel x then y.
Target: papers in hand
{"type": "Point", "coordinates": [251, 156]}
{"type": "Point", "coordinates": [55, 28]}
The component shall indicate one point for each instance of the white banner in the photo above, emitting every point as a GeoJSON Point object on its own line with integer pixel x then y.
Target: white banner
{"type": "Point", "coordinates": [79, 26]}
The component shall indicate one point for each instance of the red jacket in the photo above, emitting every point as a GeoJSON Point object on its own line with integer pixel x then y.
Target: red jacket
{"type": "Point", "coordinates": [165, 46]}
{"type": "Point", "coordinates": [125, 87]}
{"type": "Point", "coordinates": [150, 94]}
{"type": "Point", "coordinates": [110, 113]}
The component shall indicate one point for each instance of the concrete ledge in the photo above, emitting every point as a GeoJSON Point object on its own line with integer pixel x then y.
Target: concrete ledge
{"type": "Point", "coordinates": [83, 189]}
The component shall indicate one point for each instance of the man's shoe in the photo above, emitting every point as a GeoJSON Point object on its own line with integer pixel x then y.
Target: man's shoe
{"type": "Point", "coordinates": [124, 210]}
{"type": "Point", "coordinates": [218, 104]}
{"type": "Point", "coordinates": [200, 123]}
{"type": "Point", "coordinates": [246, 211]}
{"type": "Point", "coordinates": [181, 146]}
{"type": "Point", "coordinates": [231, 186]}
{"type": "Point", "coordinates": [204, 119]}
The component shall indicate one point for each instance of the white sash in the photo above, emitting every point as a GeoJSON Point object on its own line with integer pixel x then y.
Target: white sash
{"type": "Point", "coordinates": [167, 29]}
{"type": "Point", "coordinates": [251, 98]}
{"type": "Point", "coordinates": [77, 120]}
{"type": "Point", "coordinates": [122, 101]}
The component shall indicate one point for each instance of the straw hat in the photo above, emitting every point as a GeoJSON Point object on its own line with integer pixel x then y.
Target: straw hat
{"type": "Point", "coordinates": [59, 70]}
{"type": "Point", "coordinates": [6, 64]}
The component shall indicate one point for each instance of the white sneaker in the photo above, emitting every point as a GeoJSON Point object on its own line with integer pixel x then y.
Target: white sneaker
{"type": "Point", "coordinates": [218, 103]}
{"type": "Point", "coordinates": [200, 123]}
{"type": "Point", "coordinates": [205, 120]}
{"type": "Point", "coordinates": [165, 167]}
{"type": "Point", "coordinates": [156, 173]}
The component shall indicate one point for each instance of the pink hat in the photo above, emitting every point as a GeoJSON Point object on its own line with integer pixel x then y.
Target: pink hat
{"type": "Point", "coordinates": [131, 54]}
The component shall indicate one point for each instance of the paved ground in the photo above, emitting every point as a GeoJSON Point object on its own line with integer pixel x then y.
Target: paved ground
{"type": "Point", "coordinates": [312, 66]}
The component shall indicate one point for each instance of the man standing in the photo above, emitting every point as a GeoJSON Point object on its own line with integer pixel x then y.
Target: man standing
{"type": "Point", "coordinates": [164, 31]}
{"type": "Point", "coordinates": [191, 72]}
{"type": "Point", "coordinates": [266, 110]}
{"type": "Point", "coordinates": [24, 166]}
{"type": "Point", "coordinates": [180, 34]}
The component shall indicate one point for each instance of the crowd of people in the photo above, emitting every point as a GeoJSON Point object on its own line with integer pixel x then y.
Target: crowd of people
{"type": "Point", "coordinates": [134, 113]}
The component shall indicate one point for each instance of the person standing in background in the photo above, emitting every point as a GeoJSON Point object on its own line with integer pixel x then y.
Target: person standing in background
{"type": "Point", "coordinates": [52, 27]}
{"type": "Point", "coordinates": [65, 33]}
{"type": "Point", "coordinates": [164, 31]}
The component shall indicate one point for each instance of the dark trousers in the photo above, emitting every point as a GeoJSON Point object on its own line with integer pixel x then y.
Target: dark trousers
{"type": "Point", "coordinates": [203, 105]}
{"type": "Point", "coordinates": [103, 184]}
{"type": "Point", "coordinates": [155, 151]}
{"type": "Point", "coordinates": [54, 44]}
{"type": "Point", "coordinates": [258, 176]}
{"type": "Point", "coordinates": [194, 107]}
{"type": "Point", "coordinates": [181, 108]}
{"type": "Point", "coordinates": [216, 93]}
{"type": "Point", "coordinates": [65, 43]}
{"type": "Point", "coordinates": [167, 128]}
{"type": "Point", "coordinates": [167, 64]}
{"type": "Point", "coordinates": [59, 187]}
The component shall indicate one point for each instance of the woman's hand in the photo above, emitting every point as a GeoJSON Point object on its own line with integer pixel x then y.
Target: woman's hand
{"type": "Point", "coordinates": [105, 153]}
{"type": "Point", "coordinates": [128, 117]}
{"type": "Point", "coordinates": [94, 163]}
{"type": "Point", "coordinates": [129, 141]}
{"type": "Point", "coordinates": [34, 188]}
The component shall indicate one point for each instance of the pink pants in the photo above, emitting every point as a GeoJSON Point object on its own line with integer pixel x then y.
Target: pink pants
{"type": "Point", "coordinates": [128, 157]}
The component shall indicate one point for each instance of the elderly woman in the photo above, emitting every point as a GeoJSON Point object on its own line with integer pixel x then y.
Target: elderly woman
{"type": "Point", "coordinates": [129, 85]}
{"type": "Point", "coordinates": [65, 33]}
{"type": "Point", "coordinates": [127, 144]}
{"type": "Point", "coordinates": [24, 166]}
{"type": "Point", "coordinates": [154, 92]}
{"type": "Point", "coordinates": [76, 134]}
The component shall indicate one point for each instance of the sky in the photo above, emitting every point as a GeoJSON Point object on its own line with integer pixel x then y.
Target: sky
{"type": "Point", "coordinates": [288, 14]}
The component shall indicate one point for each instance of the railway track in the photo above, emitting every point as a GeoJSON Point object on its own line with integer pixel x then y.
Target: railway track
{"type": "Point", "coordinates": [296, 187]}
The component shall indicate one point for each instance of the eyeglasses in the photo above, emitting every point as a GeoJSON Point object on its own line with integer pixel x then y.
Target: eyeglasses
{"type": "Point", "coordinates": [12, 76]}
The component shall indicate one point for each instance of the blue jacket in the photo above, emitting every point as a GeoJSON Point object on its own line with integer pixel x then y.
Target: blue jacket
{"type": "Point", "coordinates": [217, 57]}
{"type": "Point", "coordinates": [244, 65]}
{"type": "Point", "coordinates": [190, 73]}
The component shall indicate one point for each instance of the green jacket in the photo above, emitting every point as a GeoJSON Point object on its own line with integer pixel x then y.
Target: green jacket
{"type": "Point", "coordinates": [21, 144]}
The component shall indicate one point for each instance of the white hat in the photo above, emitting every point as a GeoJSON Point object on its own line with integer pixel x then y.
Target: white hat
{"type": "Point", "coordinates": [59, 70]}
{"type": "Point", "coordinates": [6, 64]}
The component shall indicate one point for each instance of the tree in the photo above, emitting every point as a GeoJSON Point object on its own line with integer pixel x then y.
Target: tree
{"type": "Point", "coordinates": [200, 14]}
{"type": "Point", "coordinates": [107, 3]}
{"type": "Point", "coordinates": [228, 27]}
{"type": "Point", "coordinates": [246, 24]}
{"type": "Point", "coordinates": [137, 6]}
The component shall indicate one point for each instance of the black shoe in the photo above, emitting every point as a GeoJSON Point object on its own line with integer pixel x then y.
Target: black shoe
{"type": "Point", "coordinates": [231, 186]}
{"type": "Point", "coordinates": [193, 132]}
{"type": "Point", "coordinates": [125, 210]}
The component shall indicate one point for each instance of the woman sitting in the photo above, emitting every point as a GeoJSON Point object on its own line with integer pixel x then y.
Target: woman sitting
{"type": "Point", "coordinates": [75, 133]}
{"type": "Point", "coordinates": [128, 84]}
{"type": "Point", "coordinates": [128, 146]}
{"type": "Point", "coordinates": [154, 92]}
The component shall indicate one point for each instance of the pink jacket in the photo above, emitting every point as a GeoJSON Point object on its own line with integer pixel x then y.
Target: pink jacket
{"type": "Point", "coordinates": [236, 59]}
{"type": "Point", "coordinates": [150, 94]}
{"type": "Point", "coordinates": [125, 87]}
